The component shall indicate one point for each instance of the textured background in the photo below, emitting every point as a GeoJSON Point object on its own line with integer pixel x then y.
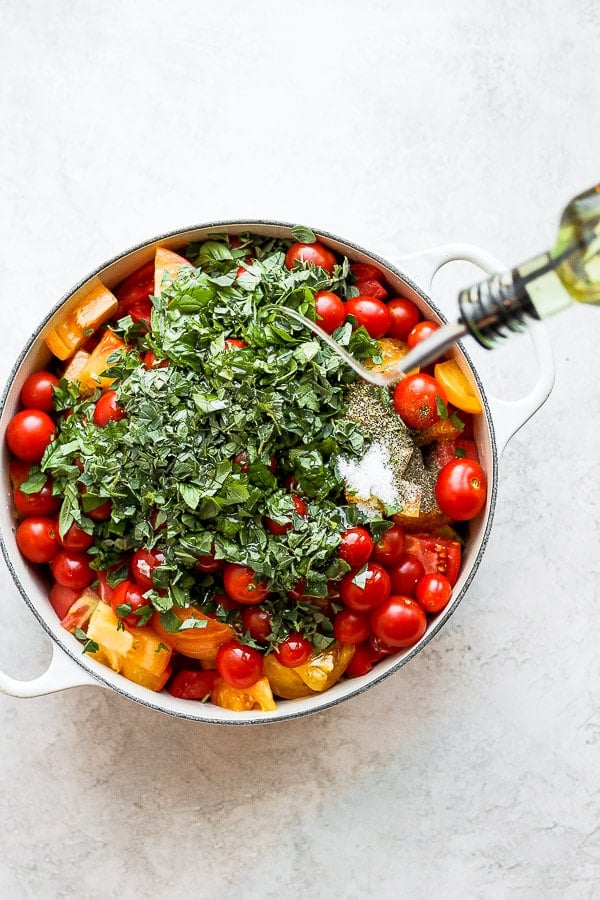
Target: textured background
{"type": "Point", "coordinates": [474, 772]}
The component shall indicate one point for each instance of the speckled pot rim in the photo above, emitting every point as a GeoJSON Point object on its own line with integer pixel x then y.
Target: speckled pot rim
{"type": "Point", "coordinates": [379, 673]}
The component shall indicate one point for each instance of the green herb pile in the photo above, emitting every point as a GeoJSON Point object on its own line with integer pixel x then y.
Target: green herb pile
{"type": "Point", "coordinates": [168, 467]}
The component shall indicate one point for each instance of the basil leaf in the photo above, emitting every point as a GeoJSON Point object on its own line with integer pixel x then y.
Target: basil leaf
{"type": "Point", "coordinates": [303, 234]}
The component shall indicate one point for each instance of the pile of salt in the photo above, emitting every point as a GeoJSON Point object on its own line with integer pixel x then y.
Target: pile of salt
{"type": "Point", "coordinates": [371, 479]}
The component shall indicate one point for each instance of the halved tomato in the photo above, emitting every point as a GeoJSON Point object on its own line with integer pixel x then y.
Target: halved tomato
{"type": "Point", "coordinates": [258, 696]}
{"type": "Point", "coordinates": [444, 451]}
{"type": "Point", "coordinates": [369, 280]}
{"type": "Point", "coordinates": [80, 612]}
{"type": "Point", "coordinates": [439, 555]}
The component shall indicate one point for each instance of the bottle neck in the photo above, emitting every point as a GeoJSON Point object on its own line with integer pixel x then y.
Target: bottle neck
{"type": "Point", "coordinates": [504, 304]}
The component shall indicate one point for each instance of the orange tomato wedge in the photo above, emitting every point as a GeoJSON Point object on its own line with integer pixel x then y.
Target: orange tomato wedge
{"type": "Point", "coordinates": [81, 321]}
{"type": "Point", "coordinates": [459, 390]}
{"type": "Point", "coordinates": [166, 267]}
{"type": "Point", "coordinates": [197, 643]}
{"type": "Point", "coordinates": [89, 373]}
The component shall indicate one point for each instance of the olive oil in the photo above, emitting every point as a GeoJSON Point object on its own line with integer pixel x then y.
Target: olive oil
{"type": "Point", "coordinates": [502, 304]}
{"type": "Point", "coordinates": [577, 250]}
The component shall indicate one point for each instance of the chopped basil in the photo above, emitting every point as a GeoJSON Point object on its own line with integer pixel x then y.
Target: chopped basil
{"type": "Point", "coordinates": [169, 467]}
{"type": "Point", "coordinates": [35, 482]}
{"type": "Point", "coordinates": [457, 421]}
{"type": "Point", "coordinates": [89, 646]}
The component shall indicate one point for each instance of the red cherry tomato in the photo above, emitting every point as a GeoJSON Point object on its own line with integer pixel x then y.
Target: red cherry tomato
{"type": "Point", "coordinates": [420, 332]}
{"type": "Point", "coordinates": [331, 311]}
{"type": "Point", "coordinates": [294, 650]}
{"type": "Point", "coordinates": [240, 584]}
{"type": "Point", "coordinates": [42, 503]}
{"type": "Point", "coordinates": [390, 547]}
{"type": "Point", "coordinates": [298, 592]}
{"type": "Point", "coordinates": [439, 555]}
{"type": "Point", "coordinates": [28, 434]}
{"type": "Point", "coordinates": [405, 316]}
{"type": "Point", "coordinates": [72, 569]}
{"type": "Point", "coordinates": [405, 575]}
{"type": "Point", "coordinates": [241, 460]}
{"type": "Point", "coordinates": [235, 344]}
{"type": "Point", "coordinates": [370, 312]}
{"type": "Point", "coordinates": [143, 565]}
{"type": "Point", "coordinates": [417, 398]}
{"type": "Point", "coordinates": [18, 471]}
{"type": "Point", "coordinates": [290, 483]}
{"type": "Point", "coordinates": [108, 410]}
{"type": "Point", "coordinates": [207, 563]}
{"type": "Point", "coordinates": [279, 528]}
{"type": "Point", "coordinates": [362, 591]}
{"type": "Point", "coordinates": [62, 599]}
{"type": "Point", "coordinates": [37, 539]}
{"type": "Point", "coordinates": [362, 661]}
{"type": "Point", "coordinates": [127, 599]}
{"type": "Point", "coordinates": [356, 547]}
{"type": "Point", "coordinates": [399, 621]}
{"type": "Point", "coordinates": [351, 627]}
{"type": "Point", "coordinates": [192, 684]}
{"type": "Point", "coordinates": [316, 253]}
{"type": "Point", "coordinates": [38, 391]}
{"type": "Point", "coordinates": [461, 489]}
{"type": "Point", "coordinates": [238, 665]}
{"type": "Point", "coordinates": [103, 587]}
{"type": "Point", "coordinates": [221, 599]}
{"type": "Point", "coordinates": [75, 538]}
{"type": "Point", "coordinates": [257, 622]}
{"type": "Point", "coordinates": [433, 592]}
{"type": "Point", "coordinates": [101, 513]}
{"type": "Point", "coordinates": [153, 519]}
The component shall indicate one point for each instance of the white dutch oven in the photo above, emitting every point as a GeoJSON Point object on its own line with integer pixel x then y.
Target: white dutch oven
{"type": "Point", "coordinates": [412, 278]}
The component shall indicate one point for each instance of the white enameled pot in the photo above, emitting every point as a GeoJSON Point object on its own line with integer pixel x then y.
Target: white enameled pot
{"type": "Point", "coordinates": [411, 277]}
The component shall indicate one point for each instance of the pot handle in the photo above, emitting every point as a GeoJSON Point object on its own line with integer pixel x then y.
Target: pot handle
{"type": "Point", "coordinates": [508, 415]}
{"type": "Point", "coordinates": [62, 673]}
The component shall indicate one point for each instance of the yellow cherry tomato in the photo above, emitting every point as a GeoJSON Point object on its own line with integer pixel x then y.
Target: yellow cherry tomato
{"type": "Point", "coordinates": [459, 390]}
{"type": "Point", "coordinates": [392, 351]}
{"type": "Point", "coordinates": [258, 696]}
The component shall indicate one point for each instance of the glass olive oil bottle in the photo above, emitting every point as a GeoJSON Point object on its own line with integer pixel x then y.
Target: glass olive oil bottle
{"type": "Point", "coordinates": [538, 288]}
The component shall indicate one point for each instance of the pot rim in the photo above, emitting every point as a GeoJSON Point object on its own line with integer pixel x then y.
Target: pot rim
{"type": "Point", "coordinates": [342, 690]}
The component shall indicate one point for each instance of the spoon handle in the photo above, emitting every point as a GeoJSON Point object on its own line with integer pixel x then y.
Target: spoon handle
{"type": "Point", "coordinates": [422, 354]}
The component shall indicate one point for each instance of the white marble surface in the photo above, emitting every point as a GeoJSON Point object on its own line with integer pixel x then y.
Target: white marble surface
{"type": "Point", "coordinates": [475, 772]}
